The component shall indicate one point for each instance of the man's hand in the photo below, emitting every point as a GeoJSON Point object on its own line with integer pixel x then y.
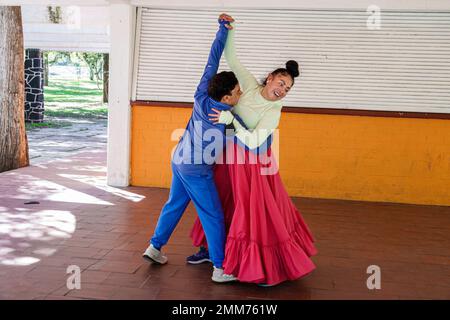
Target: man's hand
{"type": "Point", "coordinates": [226, 17]}
{"type": "Point", "coordinates": [224, 117]}
{"type": "Point", "coordinates": [214, 117]}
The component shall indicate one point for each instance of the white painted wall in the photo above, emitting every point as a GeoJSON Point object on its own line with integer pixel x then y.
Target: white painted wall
{"type": "Point", "coordinates": [81, 29]}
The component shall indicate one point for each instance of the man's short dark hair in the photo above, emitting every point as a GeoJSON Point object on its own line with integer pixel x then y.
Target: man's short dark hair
{"type": "Point", "coordinates": [221, 85]}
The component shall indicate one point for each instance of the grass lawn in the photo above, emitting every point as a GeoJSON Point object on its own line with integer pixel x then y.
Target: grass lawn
{"type": "Point", "coordinates": [72, 98]}
{"type": "Point", "coordinates": [46, 124]}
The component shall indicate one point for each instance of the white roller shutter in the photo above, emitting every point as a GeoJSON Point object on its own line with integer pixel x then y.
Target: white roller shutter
{"type": "Point", "coordinates": [404, 66]}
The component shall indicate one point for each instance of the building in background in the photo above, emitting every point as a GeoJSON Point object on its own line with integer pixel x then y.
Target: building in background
{"type": "Point", "coordinates": [368, 119]}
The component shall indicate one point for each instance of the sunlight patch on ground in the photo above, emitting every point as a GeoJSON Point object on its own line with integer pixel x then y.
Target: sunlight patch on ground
{"type": "Point", "coordinates": [101, 169]}
{"type": "Point", "coordinates": [37, 189]}
{"type": "Point", "coordinates": [40, 225]}
{"type": "Point", "coordinates": [26, 230]}
{"type": "Point", "coordinates": [21, 261]}
{"type": "Point", "coordinates": [100, 183]}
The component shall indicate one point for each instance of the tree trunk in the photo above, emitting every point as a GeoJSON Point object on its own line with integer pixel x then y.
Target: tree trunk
{"type": "Point", "coordinates": [105, 77]}
{"type": "Point", "coordinates": [46, 70]}
{"type": "Point", "coordinates": [13, 137]}
{"type": "Point", "coordinates": [91, 73]}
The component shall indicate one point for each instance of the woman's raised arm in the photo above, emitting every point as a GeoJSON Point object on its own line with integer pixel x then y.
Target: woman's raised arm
{"type": "Point", "coordinates": [245, 78]}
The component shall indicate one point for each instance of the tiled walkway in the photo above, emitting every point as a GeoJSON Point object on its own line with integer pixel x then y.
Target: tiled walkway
{"type": "Point", "coordinates": [80, 221]}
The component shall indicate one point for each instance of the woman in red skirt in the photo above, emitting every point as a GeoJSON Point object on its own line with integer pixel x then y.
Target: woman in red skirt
{"type": "Point", "coordinates": [268, 241]}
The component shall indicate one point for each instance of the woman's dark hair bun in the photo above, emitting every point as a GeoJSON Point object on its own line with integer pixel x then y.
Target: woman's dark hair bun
{"type": "Point", "coordinates": [292, 68]}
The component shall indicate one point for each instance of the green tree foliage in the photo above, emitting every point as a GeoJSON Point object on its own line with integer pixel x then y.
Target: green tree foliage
{"type": "Point", "coordinates": [95, 63]}
{"type": "Point", "coordinates": [55, 57]}
{"type": "Point", "coordinates": [58, 57]}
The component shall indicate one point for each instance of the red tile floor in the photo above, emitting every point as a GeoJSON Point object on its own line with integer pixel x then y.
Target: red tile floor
{"type": "Point", "coordinates": [103, 230]}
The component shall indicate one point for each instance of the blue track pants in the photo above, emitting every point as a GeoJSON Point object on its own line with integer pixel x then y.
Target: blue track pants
{"type": "Point", "coordinates": [201, 189]}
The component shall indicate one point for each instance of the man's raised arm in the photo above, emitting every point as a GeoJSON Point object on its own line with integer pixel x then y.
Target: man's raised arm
{"type": "Point", "coordinates": [215, 54]}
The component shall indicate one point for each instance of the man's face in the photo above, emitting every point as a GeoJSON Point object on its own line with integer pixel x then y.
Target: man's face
{"type": "Point", "coordinates": [235, 95]}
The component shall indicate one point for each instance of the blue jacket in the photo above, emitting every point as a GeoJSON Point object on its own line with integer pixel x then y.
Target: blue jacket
{"type": "Point", "coordinates": [203, 140]}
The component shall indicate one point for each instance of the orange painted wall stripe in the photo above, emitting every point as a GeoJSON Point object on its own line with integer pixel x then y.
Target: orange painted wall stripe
{"type": "Point", "coordinates": [323, 156]}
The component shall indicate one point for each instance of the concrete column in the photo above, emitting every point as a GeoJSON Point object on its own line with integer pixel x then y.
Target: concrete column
{"type": "Point", "coordinates": [123, 17]}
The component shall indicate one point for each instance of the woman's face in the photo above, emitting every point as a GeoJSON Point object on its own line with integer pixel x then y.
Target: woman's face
{"type": "Point", "coordinates": [277, 86]}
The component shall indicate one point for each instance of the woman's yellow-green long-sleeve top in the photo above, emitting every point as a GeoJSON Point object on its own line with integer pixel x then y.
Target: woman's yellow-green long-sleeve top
{"type": "Point", "coordinates": [261, 116]}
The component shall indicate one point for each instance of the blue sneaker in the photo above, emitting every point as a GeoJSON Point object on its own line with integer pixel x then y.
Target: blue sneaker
{"type": "Point", "coordinates": [201, 256]}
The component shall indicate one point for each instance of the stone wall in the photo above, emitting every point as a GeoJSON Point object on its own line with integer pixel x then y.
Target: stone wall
{"type": "Point", "coordinates": [34, 86]}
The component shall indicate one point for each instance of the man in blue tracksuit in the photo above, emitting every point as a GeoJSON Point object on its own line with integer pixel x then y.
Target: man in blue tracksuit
{"type": "Point", "coordinates": [193, 161]}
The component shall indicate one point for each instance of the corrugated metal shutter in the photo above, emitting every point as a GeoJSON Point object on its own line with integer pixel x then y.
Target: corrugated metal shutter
{"type": "Point", "coordinates": [404, 66]}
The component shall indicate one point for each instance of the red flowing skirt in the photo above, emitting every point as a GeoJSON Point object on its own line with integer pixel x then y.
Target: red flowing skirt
{"type": "Point", "coordinates": [267, 239]}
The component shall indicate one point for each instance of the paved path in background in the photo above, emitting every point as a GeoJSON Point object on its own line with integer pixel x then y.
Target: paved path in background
{"type": "Point", "coordinates": [47, 144]}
